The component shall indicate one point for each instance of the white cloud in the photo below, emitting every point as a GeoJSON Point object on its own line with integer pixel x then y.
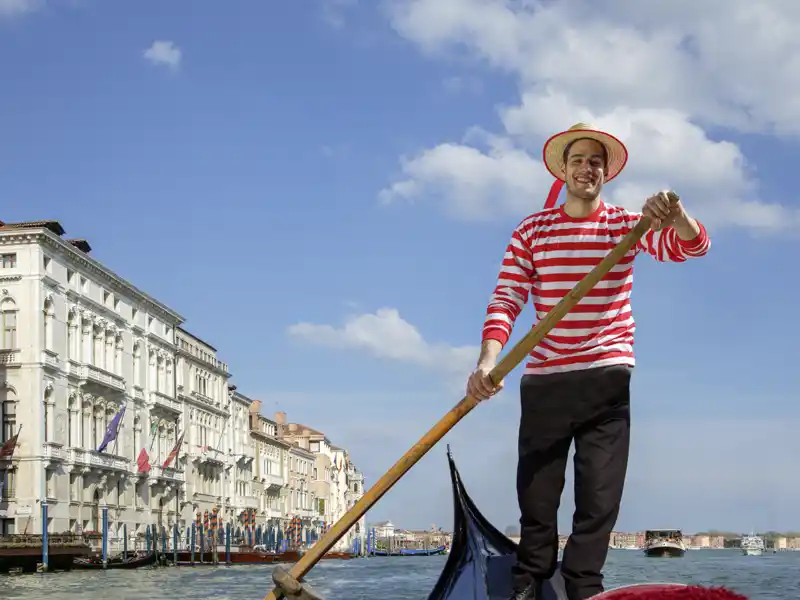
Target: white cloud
{"type": "Point", "coordinates": [163, 52]}
{"type": "Point", "coordinates": [658, 81]}
{"type": "Point", "coordinates": [334, 12]}
{"type": "Point", "coordinates": [13, 8]}
{"type": "Point", "coordinates": [385, 334]}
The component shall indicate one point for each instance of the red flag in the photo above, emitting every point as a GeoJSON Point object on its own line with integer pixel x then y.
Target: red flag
{"type": "Point", "coordinates": [143, 462]}
{"type": "Point", "coordinates": [174, 452]}
{"type": "Point", "coordinates": [8, 447]}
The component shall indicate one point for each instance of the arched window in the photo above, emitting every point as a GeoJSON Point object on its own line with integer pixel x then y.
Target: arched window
{"type": "Point", "coordinates": [49, 314]}
{"type": "Point", "coordinates": [73, 418]}
{"type": "Point", "coordinates": [137, 364]}
{"type": "Point", "coordinates": [73, 335]}
{"type": "Point", "coordinates": [8, 316]}
{"type": "Point", "coordinates": [47, 407]}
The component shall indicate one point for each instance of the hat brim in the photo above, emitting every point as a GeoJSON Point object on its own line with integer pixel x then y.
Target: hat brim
{"type": "Point", "coordinates": [553, 152]}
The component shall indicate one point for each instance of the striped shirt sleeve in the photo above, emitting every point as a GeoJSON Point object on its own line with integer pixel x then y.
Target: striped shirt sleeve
{"type": "Point", "coordinates": [512, 290]}
{"type": "Point", "coordinates": [667, 246]}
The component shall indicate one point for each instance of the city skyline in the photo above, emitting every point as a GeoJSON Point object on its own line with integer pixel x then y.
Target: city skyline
{"type": "Point", "coordinates": [327, 194]}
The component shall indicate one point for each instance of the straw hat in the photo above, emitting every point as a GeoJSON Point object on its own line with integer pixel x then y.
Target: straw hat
{"type": "Point", "coordinates": [553, 152]}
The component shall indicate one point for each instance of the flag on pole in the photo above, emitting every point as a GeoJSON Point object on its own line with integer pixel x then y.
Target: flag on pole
{"type": "Point", "coordinates": [112, 430]}
{"type": "Point", "coordinates": [174, 452]}
{"type": "Point", "coordinates": [143, 462]}
{"type": "Point", "coordinates": [8, 447]}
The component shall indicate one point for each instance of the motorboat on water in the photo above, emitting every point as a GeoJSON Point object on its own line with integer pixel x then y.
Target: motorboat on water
{"type": "Point", "coordinates": [664, 543]}
{"type": "Point", "coordinates": [753, 545]}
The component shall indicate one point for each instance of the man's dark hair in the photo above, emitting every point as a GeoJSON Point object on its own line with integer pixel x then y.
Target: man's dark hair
{"type": "Point", "coordinates": [568, 146]}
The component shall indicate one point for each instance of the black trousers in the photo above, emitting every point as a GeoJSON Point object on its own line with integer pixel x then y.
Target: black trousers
{"type": "Point", "coordinates": [591, 407]}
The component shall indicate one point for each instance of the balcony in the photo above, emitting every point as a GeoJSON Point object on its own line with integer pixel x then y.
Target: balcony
{"type": "Point", "coordinates": [160, 474]}
{"type": "Point", "coordinates": [107, 461]}
{"type": "Point", "coordinates": [165, 402]}
{"type": "Point", "coordinates": [138, 393]}
{"type": "Point", "coordinates": [9, 357]}
{"type": "Point", "coordinates": [273, 483]}
{"type": "Point", "coordinates": [54, 452]}
{"type": "Point", "coordinates": [50, 360]}
{"type": "Point", "coordinates": [204, 399]}
{"type": "Point", "coordinates": [78, 456]}
{"type": "Point", "coordinates": [208, 454]}
{"type": "Point", "coordinates": [98, 378]}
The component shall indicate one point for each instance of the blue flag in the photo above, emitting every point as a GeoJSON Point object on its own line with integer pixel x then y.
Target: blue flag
{"type": "Point", "coordinates": [113, 429]}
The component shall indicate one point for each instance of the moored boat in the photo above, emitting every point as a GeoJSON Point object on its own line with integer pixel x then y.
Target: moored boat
{"type": "Point", "coordinates": [245, 555]}
{"type": "Point", "coordinates": [664, 543]}
{"type": "Point", "coordinates": [134, 561]}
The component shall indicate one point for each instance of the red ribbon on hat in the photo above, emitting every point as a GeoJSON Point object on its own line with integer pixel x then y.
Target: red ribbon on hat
{"type": "Point", "coordinates": [552, 197]}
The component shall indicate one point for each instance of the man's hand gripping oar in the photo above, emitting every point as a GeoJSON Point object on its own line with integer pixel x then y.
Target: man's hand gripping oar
{"type": "Point", "coordinates": [287, 582]}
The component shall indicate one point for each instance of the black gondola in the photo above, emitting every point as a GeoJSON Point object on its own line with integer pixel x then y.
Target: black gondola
{"type": "Point", "coordinates": [133, 561]}
{"type": "Point", "coordinates": [480, 560]}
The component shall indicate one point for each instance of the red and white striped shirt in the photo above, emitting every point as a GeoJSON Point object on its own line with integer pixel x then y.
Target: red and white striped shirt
{"type": "Point", "coordinates": [548, 254]}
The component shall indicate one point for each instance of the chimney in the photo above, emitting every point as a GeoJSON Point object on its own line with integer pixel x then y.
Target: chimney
{"type": "Point", "coordinates": [280, 418]}
{"type": "Point", "coordinates": [255, 407]}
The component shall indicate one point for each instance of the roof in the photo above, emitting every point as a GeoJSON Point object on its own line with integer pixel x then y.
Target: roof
{"type": "Point", "coordinates": [52, 225]}
{"type": "Point", "coordinates": [81, 245]}
{"type": "Point", "coordinates": [194, 337]}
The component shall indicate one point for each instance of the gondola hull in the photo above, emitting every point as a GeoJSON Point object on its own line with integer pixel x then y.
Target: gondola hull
{"type": "Point", "coordinates": [117, 562]}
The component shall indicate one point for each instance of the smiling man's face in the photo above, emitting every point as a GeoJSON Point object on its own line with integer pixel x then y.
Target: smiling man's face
{"type": "Point", "coordinates": [585, 169]}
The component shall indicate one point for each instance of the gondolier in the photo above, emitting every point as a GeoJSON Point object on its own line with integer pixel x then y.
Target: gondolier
{"type": "Point", "coordinates": [576, 384]}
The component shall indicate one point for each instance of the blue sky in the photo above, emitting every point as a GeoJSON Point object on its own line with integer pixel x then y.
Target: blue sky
{"type": "Point", "coordinates": [333, 162]}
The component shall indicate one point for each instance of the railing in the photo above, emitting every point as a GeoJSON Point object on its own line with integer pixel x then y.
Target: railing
{"type": "Point", "coordinates": [108, 461]}
{"type": "Point", "coordinates": [273, 480]}
{"type": "Point", "coordinates": [97, 375]}
{"type": "Point", "coordinates": [53, 451]}
{"type": "Point", "coordinates": [165, 401]}
{"type": "Point", "coordinates": [203, 398]}
{"type": "Point", "coordinates": [50, 359]}
{"type": "Point", "coordinates": [8, 357]}
{"type": "Point", "coordinates": [138, 393]}
{"type": "Point", "coordinates": [79, 456]}
{"type": "Point", "coordinates": [105, 378]}
{"type": "Point", "coordinates": [168, 473]}
{"type": "Point", "coordinates": [208, 453]}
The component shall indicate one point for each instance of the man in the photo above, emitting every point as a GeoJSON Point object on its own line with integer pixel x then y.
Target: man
{"type": "Point", "coordinates": [576, 384]}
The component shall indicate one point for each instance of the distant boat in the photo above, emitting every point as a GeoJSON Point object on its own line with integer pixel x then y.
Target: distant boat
{"type": "Point", "coordinates": [753, 545]}
{"type": "Point", "coordinates": [415, 552]}
{"type": "Point", "coordinates": [664, 543]}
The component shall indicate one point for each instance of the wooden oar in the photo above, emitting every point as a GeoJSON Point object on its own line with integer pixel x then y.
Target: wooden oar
{"type": "Point", "coordinates": [514, 356]}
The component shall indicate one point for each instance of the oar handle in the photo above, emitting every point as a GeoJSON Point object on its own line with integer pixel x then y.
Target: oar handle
{"type": "Point", "coordinates": [514, 356]}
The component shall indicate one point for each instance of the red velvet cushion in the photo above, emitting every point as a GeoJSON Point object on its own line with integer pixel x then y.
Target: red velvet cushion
{"type": "Point", "coordinates": [669, 591]}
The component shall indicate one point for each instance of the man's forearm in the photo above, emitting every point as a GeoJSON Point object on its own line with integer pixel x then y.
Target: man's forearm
{"type": "Point", "coordinates": [490, 350]}
{"type": "Point", "coordinates": [686, 227]}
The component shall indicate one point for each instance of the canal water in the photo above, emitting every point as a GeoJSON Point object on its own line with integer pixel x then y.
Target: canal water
{"type": "Point", "coordinates": [769, 577]}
